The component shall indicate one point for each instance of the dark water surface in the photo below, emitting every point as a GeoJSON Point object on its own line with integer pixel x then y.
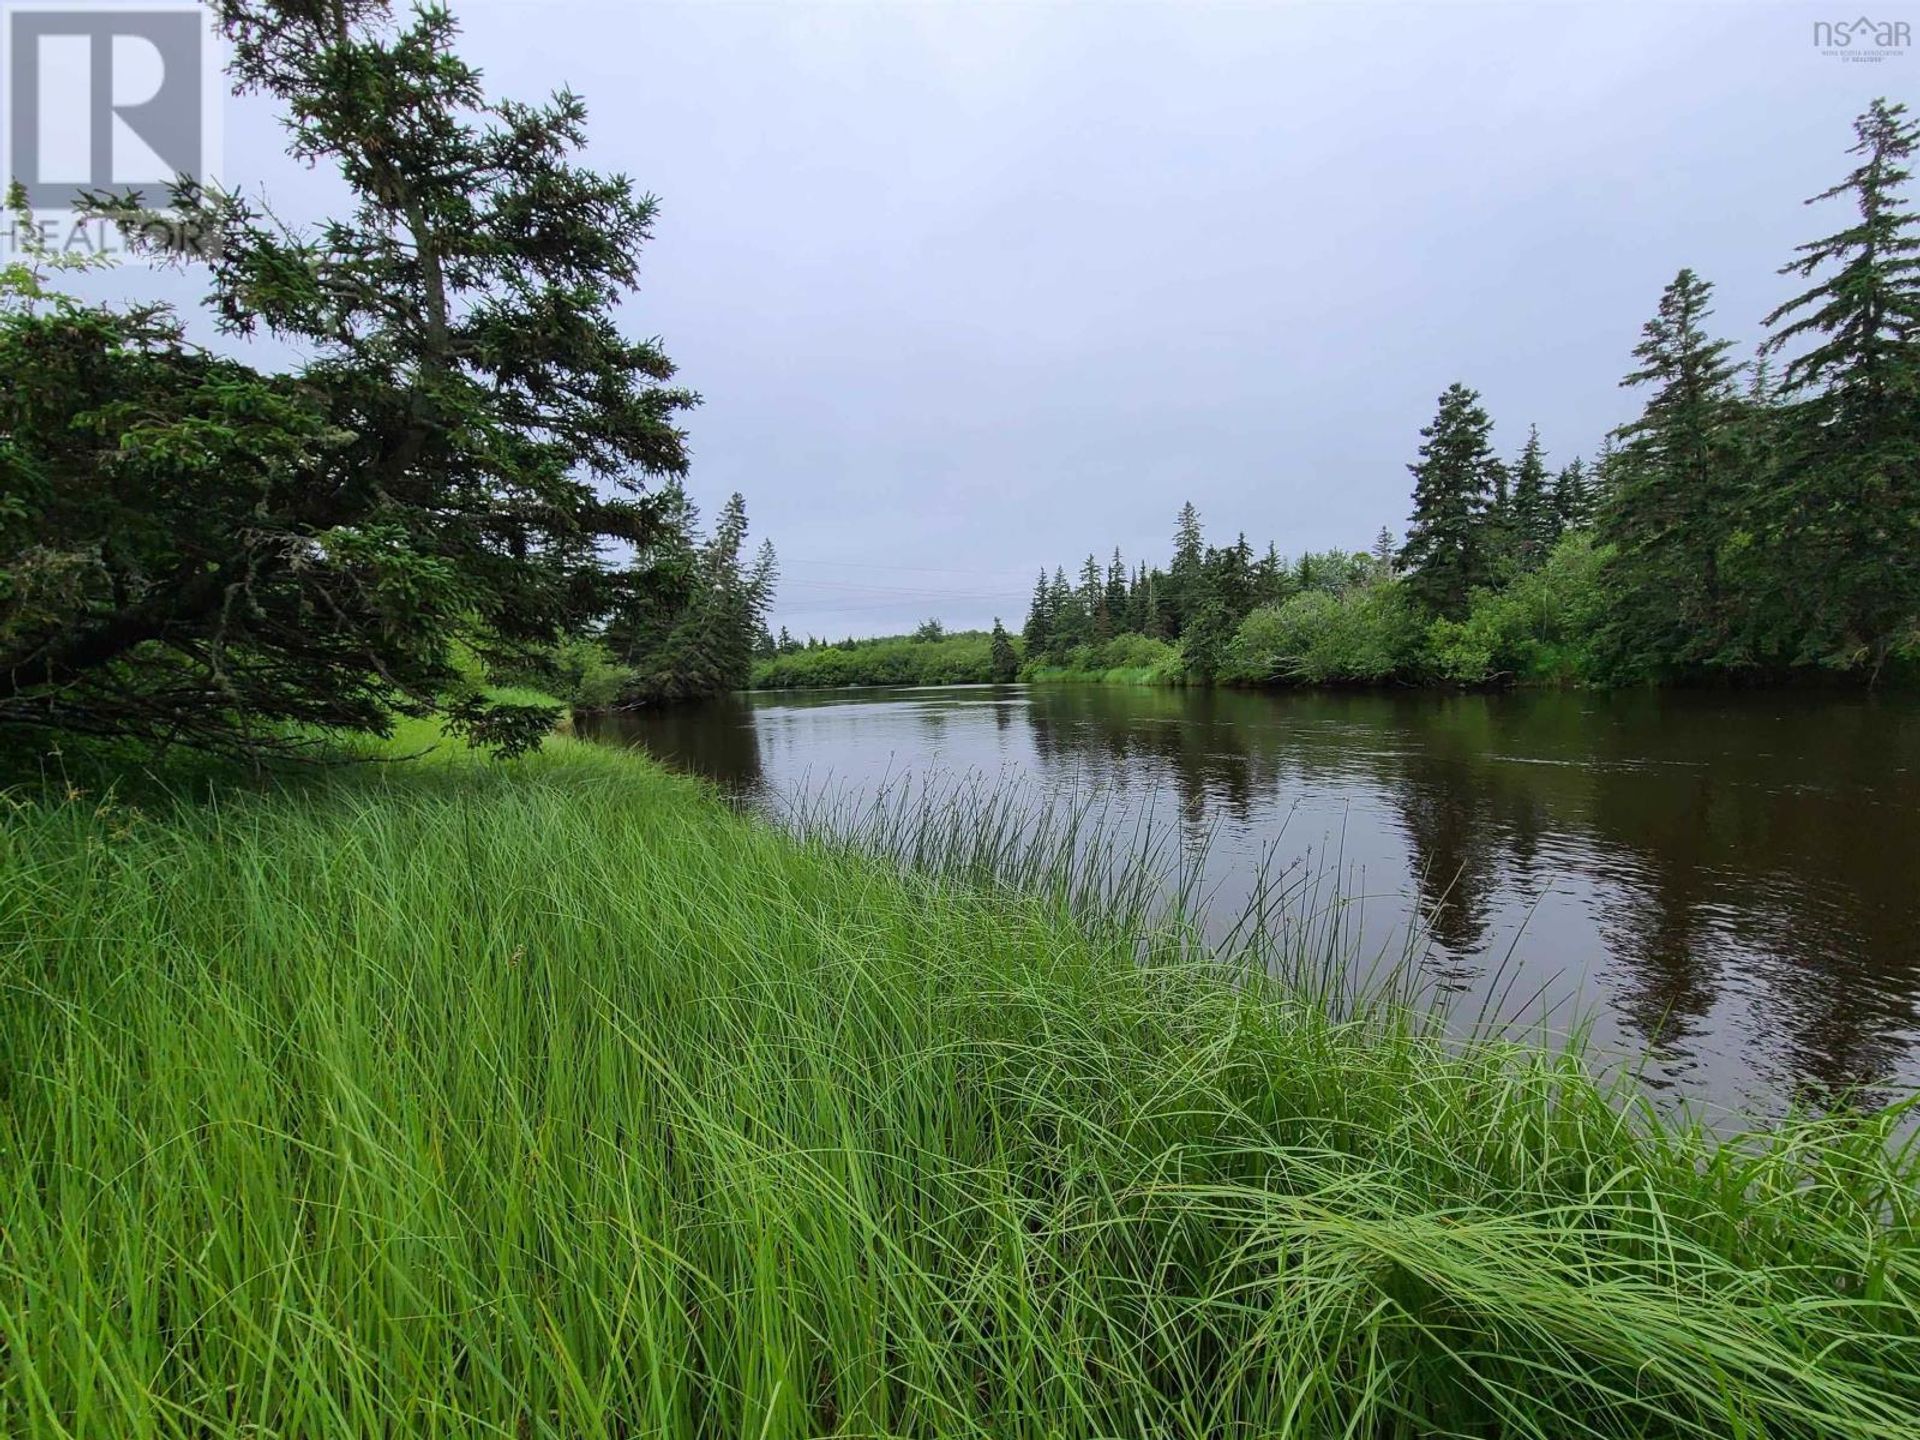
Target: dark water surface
{"type": "Point", "coordinates": [1729, 884]}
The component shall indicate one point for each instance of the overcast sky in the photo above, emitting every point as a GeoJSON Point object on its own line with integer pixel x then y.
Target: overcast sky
{"type": "Point", "coordinates": [973, 288]}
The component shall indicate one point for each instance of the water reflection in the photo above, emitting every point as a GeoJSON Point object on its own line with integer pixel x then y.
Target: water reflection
{"type": "Point", "coordinates": [1729, 883]}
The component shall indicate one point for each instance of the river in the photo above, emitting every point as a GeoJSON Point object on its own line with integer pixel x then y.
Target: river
{"type": "Point", "coordinates": [1724, 887]}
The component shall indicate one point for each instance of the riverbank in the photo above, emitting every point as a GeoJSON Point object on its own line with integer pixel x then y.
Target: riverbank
{"type": "Point", "coordinates": [553, 1097]}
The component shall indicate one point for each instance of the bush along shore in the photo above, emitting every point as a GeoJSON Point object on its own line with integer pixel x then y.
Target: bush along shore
{"type": "Point", "coordinates": [550, 1097]}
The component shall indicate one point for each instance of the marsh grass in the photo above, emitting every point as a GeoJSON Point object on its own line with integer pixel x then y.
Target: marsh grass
{"type": "Point", "coordinates": [1110, 860]}
{"type": "Point", "coordinates": [555, 1099]}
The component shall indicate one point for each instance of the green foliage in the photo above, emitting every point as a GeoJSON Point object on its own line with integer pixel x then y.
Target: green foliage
{"type": "Point", "coordinates": [1539, 630]}
{"type": "Point", "coordinates": [1131, 659]}
{"type": "Point", "coordinates": [1536, 522]}
{"type": "Point", "coordinates": [1677, 494]}
{"type": "Point", "coordinates": [1003, 661]}
{"type": "Point", "coordinates": [1572, 498]}
{"type": "Point", "coordinates": [1842, 502]}
{"type": "Point", "coordinates": [1448, 550]}
{"type": "Point", "coordinates": [1364, 635]}
{"type": "Point", "coordinates": [962, 657]}
{"type": "Point", "coordinates": [1180, 596]}
{"type": "Point", "coordinates": [695, 617]}
{"type": "Point", "coordinates": [1039, 627]}
{"type": "Point", "coordinates": [1536, 630]}
{"type": "Point", "coordinates": [195, 551]}
{"type": "Point", "coordinates": [1204, 638]}
{"type": "Point", "coordinates": [586, 675]}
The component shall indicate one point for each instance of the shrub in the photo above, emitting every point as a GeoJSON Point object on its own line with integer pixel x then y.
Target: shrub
{"type": "Point", "coordinates": [586, 675]}
{"type": "Point", "coordinates": [1366, 635]}
{"type": "Point", "coordinates": [1539, 628]}
{"type": "Point", "coordinates": [1131, 659]}
{"type": "Point", "coordinates": [960, 658]}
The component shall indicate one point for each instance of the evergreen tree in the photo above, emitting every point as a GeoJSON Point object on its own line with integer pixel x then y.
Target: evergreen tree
{"type": "Point", "coordinates": [1180, 595]}
{"type": "Point", "coordinates": [1153, 617]}
{"type": "Point", "coordinates": [1067, 617]}
{"type": "Point", "coordinates": [1137, 599]}
{"type": "Point", "coordinates": [1270, 577]}
{"type": "Point", "coordinates": [1672, 507]}
{"type": "Point", "coordinates": [664, 579]}
{"type": "Point", "coordinates": [1229, 580]}
{"type": "Point", "coordinates": [710, 646]}
{"type": "Point", "coordinates": [1603, 476]}
{"type": "Point", "coordinates": [1446, 551]}
{"type": "Point", "coordinates": [1758, 572]}
{"type": "Point", "coordinates": [1848, 510]}
{"type": "Point", "coordinates": [1003, 663]}
{"type": "Point", "coordinates": [1117, 592]}
{"type": "Point", "coordinates": [1496, 528]}
{"type": "Point", "coordinates": [194, 551]}
{"type": "Point", "coordinates": [1534, 524]}
{"type": "Point", "coordinates": [1383, 554]}
{"type": "Point", "coordinates": [1093, 600]}
{"type": "Point", "coordinates": [1038, 631]}
{"type": "Point", "coordinates": [1211, 623]}
{"type": "Point", "coordinates": [1572, 497]}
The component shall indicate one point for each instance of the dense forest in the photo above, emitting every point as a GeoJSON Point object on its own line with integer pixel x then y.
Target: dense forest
{"type": "Point", "coordinates": [1757, 522]}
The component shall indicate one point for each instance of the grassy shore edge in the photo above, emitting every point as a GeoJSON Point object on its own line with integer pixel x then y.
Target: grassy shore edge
{"type": "Point", "coordinates": [556, 1098]}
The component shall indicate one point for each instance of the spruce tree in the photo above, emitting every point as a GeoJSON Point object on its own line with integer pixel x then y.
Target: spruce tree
{"type": "Point", "coordinates": [1003, 663]}
{"type": "Point", "coordinates": [1497, 529]}
{"type": "Point", "coordinates": [195, 551]}
{"type": "Point", "coordinates": [1153, 617]}
{"type": "Point", "coordinates": [709, 648]}
{"type": "Point", "coordinates": [1180, 595]}
{"type": "Point", "coordinates": [1229, 579]}
{"type": "Point", "coordinates": [1383, 553]}
{"type": "Point", "coordinates": [1038, 631]}
{"type": "Point", "coordinates": [1067, 617]}
{"type": "Point", "coordinates": [1117, 593]}
{"type": "Point", "coordinates": [1445, 553]}
{"type": "Point", "coordinates": [1093, 600]}
{"type": "Point", "coordinates": [1759, 571]}
{"type": "Point", "coordinates": [1848, 502]}
{"type": "Point", "coordinates": [1572, 497]}
{"type": "Point", "coordinates": [1535, 525]}
{"type": "Point", "coordinates": [1675, 495]}
{"type": "Point", "coordinates": [1137, 599]}
{"type": "Point", "coordinates": [1270, 577]}
{"type": "Point", "coordinates": [1211, 624]}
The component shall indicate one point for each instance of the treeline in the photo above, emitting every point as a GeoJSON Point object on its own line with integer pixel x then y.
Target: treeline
{"type": "Point", "coordinates": [1747, 524]}
{"type": "Point", "coordinates": [930, 656]}
{"type": "Point", "coordinates": [471, 475]}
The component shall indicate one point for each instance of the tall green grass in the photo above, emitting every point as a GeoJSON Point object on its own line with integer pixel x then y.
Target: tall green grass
{"type": "Point", "coordinates": [555, 1099]}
